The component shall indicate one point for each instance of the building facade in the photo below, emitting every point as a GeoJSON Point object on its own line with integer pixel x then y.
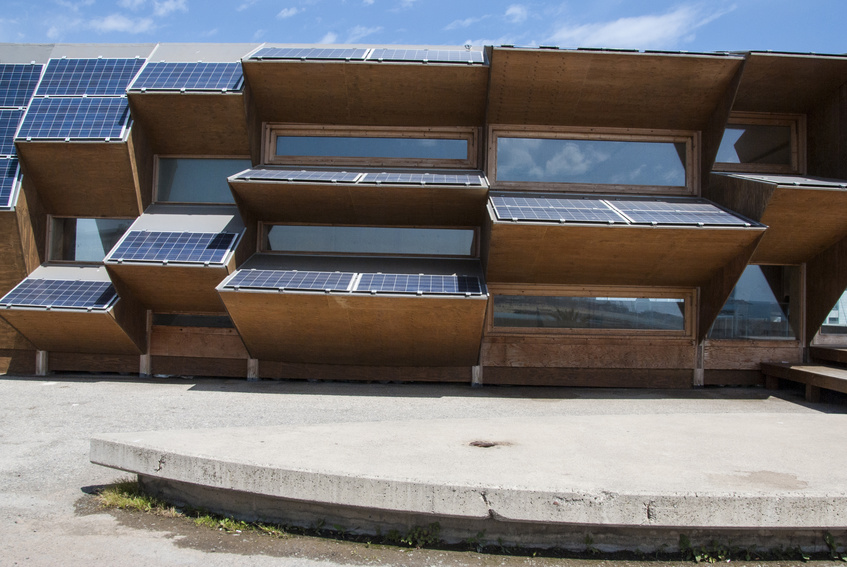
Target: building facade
{"type": "Point", "coordinates": [496, 215]}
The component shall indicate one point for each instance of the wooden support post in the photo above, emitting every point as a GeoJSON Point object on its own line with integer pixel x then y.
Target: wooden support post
{"type": "Point", "coordinates": [476, 376]}
{"type": "Point", "coordinates": [813, 394]}
{"type": "Point", "coordinates": [252, 369]}
{"type": "Point", "coordinates": [41, 368]}
{"type": "Point", "coordinates": [145, 362]}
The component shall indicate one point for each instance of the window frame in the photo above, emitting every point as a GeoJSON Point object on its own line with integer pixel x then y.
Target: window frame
{"type": "Point", "coordinates": [273, 130]}
{"type": "Point", "coordinates": [688, 295]}
{"type": "Point", "coordinates": [155, 197]}
{"type": "Point", "coordinates": [690, 138]}
{"type": "Point", "coordinates": [797, 141]}
{"type": "Point", "coordinates": [50, 230]}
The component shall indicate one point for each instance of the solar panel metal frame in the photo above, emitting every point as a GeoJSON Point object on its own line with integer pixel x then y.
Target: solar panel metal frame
{"type": "Point", "coordinates": [10, 119]}
{"type": "Point", "coordinates": [424, 178]}
{"type": "Point", "coordinates": [61, 293]}
{"type": "Point", "coordinates": [301, 175]}
{"type": "Point", "coordinates": [454, 56]}
{"type": "Point", "coordinates": [677, 213]}
{"type": "Point", "coordinates": [188, 77]}
{"type": "Point", "coordinates": [17, 83]}
{"type": "Point", "coordinates": [10, 170]}
{"type": "Point", "coordinates": [281, 280]}
{"type": "Point", "coordinates": [165, 247]}
{"type": "Point", "coordinates": [92, 77]}
{"type": "Point", "coordinates": [72, 112]}
{"type": "Point", "coordinates": [554, 209]}
{"type": "Point", "coordinates": [311, 53]}
{"type": "Point", "coordinates": [418, 284]}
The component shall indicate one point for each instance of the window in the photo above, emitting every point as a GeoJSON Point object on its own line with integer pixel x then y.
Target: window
{"type": "Point", "coordinates": [761, 143]}
{"type": "Point", "coordinates": [589, 162]}
{"type": "Point", "coordinates": [836, 323]}
{"type": "Point", "coordinates": [84, 240]}
{"type": "Point", "coordinates": [196, 180]}
{"type": "Point", "coordinates": [190, 320]}
{"type": "Point", "coordinates": [368, 240]}
{"type": "Point", "coordinates": [550, 309]}
{"type": "Point", "coordinates": [409, 147]}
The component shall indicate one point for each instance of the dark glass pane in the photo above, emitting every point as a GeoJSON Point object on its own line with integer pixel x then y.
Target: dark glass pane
{"type": "Point", "coordinates": [183, 320]}
{"type": "Point", "coordinates": [191, 180]}
{"type": "Point", "coordinates": [557, 312]}
{"type": "Point", "coordinates": [756, 143]}
{"type": "Point", "coordinates": [836, 320]}
{"type": "Point", "coordinates": [85, 240]}
{"type": "Point", "coordinates": [408, 148]}
{"type": "Point", "coordinates": [370, 240]}
{"type": "Point", "coordinates": [753, 311]}
{"type": "Point", "coordinates": [591, 161]}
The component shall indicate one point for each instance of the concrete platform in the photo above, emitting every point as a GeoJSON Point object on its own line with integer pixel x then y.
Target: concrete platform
{"type": "Point", "coordinates": [634, 480]}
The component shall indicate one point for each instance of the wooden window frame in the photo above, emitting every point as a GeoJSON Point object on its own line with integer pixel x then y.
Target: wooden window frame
{"type": "Point", "coordinates": [272, 131]}
{"type": "Point", "coordinates": [49, 235]}
{"type": "Point", "coordinates": [690, 138]}
{"type": "Point", "coordinates": [157, 157]}
{"type": "Point", "coordinates": [546, 290]}
{"type": "Point", "coordinates": [797, 124]}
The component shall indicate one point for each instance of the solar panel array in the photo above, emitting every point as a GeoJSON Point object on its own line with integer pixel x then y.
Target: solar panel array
{"type": "Point", "coordinates": [428, 55]}
{"type": "Point", "coordinates": [309, 53]}
{"type": "Point", "coordinates": [9, 120]}
{"type": "Point", "coordinates": [605, 210]}
{"type": "Point", "coordinates": [199, 76]}
{"type": "Point", "coordinates": [193, 247]}
{"type": "Point", "coordinates": [356, 282]}
{"type": "Point", "coordinates": [75, 118]}
{"type": "Point", "coordinates": [465, 179]}
{"type": "Point", "coordinates": [470, 179]}
{"type": "Point", "coordinates": [68, 294]}
{"type": "Point", "coordinates": [301, 175]}
{"type": "Point", "coordinates": [17, 83]}
{"type": "Point", "coordinates": [8, 179]}
{"type": "Point", "coordinates": [94, 77]}
{"type": "Point", "coordinates": [466, 56]}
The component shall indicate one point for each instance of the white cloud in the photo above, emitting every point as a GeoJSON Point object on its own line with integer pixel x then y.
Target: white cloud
{"type": "Point", "coordinates": [330, 37]}
{"type": "Point", "coordinates": [288, 12]}
{"type": "Point", "coordinates": [75, 6]}
{"type": "Point", "coordinates": [467, 22]}
{"type": "Point", "coordinates": [368, 2]}
{"type": "Point", "coordinates": [165, 7]}
{"type": "Point", "coordinates": [360, 32]}
{"type": "Point", "coordinates": [258, 34]}
{"type": "Point", "coordinates": [131, 4]}
{"type": "Point", "coordinates": [516, 13]}
{"type": "Point", "coordinates": [640, 32]}
{"type": "Point", "coordinates": [246, 4]}
{"type": "Point", "coordinates": [120, 23]}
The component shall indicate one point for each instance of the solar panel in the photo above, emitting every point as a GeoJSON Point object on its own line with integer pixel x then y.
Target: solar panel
{"type": "Point", "coordinates": [189, 76]}
{"type": "Point", "coordinates": [556, 209]}
{"type": "Point", "coordinates": [465, 179]}
{"type": "Point", "coordinates": [9, 120]}
{"type": "Point", "coordinates": [291, 279]}
{"type": "Point", "coordinates": [8, 179]}
{"type": "Point", "coordinates": [17, 83]}
{"type": "Point", "coordinates": [419, 283]}
{"type": "Point", "coordinates": [200, 247]}
{"type": "Point", "coordinates": [69, 77]}
{"type": "Point", "coordinates": [75, 118]}
{"type": "Point", "coordinates": [428, 55]}
{"type": "Point", "coordinates": [303, 175]}
{"type": "Point", "coordinates": [694, 212]}
{"type": "Point", "coordinates": [71, 294]}
{"type": "Point", "coordinates": [309, 53]}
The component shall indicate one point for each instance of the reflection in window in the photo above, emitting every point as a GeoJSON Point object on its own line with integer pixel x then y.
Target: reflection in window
{"type": "Point", "coordinates": [194, 180]}
{"type": "Point", "coordinates": [85, 240]}
{"type": "Point", "coordinates": [365, 147]}
{"type": "Point", "coordinates": [591, 162]}
{"type": "Point", "coordinates": [370, 240]}
{"type": "Point", "coordinates": [561, 312]}
{"type": "Point", "coordinates": [757, 308]}
{"type": "Point", "coordinates": [756, 143]}
{"type": "Point", "coordinates": [836, 320]}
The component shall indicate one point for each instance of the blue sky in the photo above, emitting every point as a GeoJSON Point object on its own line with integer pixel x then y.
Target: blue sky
{"type": "Point", "coordinates": [716, 25]}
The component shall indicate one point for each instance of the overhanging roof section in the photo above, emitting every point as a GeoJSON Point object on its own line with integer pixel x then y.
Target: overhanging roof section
{"type": "Point", "coordinates": [804, 215]}
{"type": "Point", "coordinates": [361, 91]}
{"type": "Point", "coordinates": [360, 196]}
{"type": "Point", "coordinates": [788, 82]}
{"type": "Point", "coordinates": [607, 88]}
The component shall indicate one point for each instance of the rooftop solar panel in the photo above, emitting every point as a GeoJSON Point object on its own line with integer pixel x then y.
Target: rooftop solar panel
{"type": "Point", "coordinates": [465, 179]}
{"type": "Point", "coordinates": [69, 294]}
{"type": "Point", "coordinates": [302, 175]}
{"type": "Point", "coordinates": [9, 120]}
{"type": "Point", "coordinates": [557, 209]}
{"type": "Point", "coordinates": [190, 77]}
{"type": "Point", "coordinates": [17, 83]}
{"type": "Point", "coordinates": [8, 180]}
{"type": "Point", "coordinates": [428, 55]}
{"type": "Point", "coordinates": [69, 77]}
{"type": "Point", "coordinates": [420, 283]}
{"type": "Point", "coordinates": [309, 53]}
{"type": "Point", "coordinates": [291, 279]}
{"type": "Point", "coordinates": [194, 247]}
{"type": "Point", "coordinates": [691, 213]}
{"type": "Point", "coordinates": [75, 118]}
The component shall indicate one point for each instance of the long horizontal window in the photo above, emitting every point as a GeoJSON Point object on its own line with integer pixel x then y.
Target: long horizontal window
{"type": "Point", "coordinates": [761, 143]}
{"type": "Point", "coordinates": [357, 147]}
{"type": "Point", "coordinates": [85, 240]}
{"type": "Point", "coordinates": [197, 180]}
{"type": "Point", "coordinates": [367, 240]}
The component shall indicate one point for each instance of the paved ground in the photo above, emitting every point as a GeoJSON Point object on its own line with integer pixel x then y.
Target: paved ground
{"type": "Point", "coordinates": [45, 427]}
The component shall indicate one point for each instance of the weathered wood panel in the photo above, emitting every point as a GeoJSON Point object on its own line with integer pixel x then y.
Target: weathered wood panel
{"type": "Point", "coordinates": [193, 366]}
{"type": "Point", "coordinates": [141, 159]}
{"type": "Point", "coordinates": [826, 280]}
{"type": "Point", "coordinates": [733, 378]}
{"type": "Point", "coordinates": [193, 342]}
{"type": "Point", "coordinates": [66, 331]}
{"type": "Point", "coordinates": [17, 362]}
{"type": "Point", "coordinates": [749, 355]}
{"type": "Point", "coordinates": [589, 377]}
{"type": "Point", "coordinates": [289, 371]}
{"type": "Point", "coordinates": [76, 362]}
{"type": "Point", "coordinates": [170, 288]}
{"type": "Point", "coordinates": [831, 354]}
{"type": "Point", "coordinates": [827, 137]}
{"type": "Point", "coordinates": [714, 129]}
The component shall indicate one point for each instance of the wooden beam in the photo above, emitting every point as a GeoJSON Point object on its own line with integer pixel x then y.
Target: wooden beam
{"type": "Point", "coordinates": [714, 129]}
{"type": "Point", "coordinates": [827, 137]}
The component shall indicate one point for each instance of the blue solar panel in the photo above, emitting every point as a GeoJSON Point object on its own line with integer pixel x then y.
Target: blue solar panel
{"type": "Point", "coordinates": [70, 294]}
{"type": "Point", "coordinates": [428, 55]}
{"type": "Point", "coordinates": [420, 283]}
{"type": "Point", "coordinates": [69, 77]}
{"type": "Point", "coordinates": [309, 53]}
{"type": "Point", "coordinates": [9, 120]}
{"type": "Point", "coordinates": [17, 83]}
{"type": "Point", "coordinates": [8, 180]}
{"type": "Point", "coordinates": [555, 209]}
{"type": "Point", "coordinates": [190, 77]}
{"type": "Point", "coordinates": [302, 175]}
{"type": "Point", "coordinates": [75, 118]}
{"type": "Point", "coordinates": [694, 212]}
{"type": "Point", "coordinates": [200, 247]}
{"type": "Point", "coordinates": [464, 179]}
{"type": "Point", "coordinates": [291, 279]}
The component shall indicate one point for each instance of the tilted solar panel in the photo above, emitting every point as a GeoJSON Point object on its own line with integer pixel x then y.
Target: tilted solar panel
{"type": "Point", "coordinates": [73, 77]}
{"type": "Point", "coordinates": [291, 279]}
{"type": "Point", "coordinates": [69, 294]}
{"type": "Point", "coordinates": [691, 213]}
{"type": "Point", "coordinates": [309, 53]}
{"type": "Point", "coordinates": [303, 175]}
{"type": "Point", "coordinates": [419, 283]}
{"type": "Point", "coordinates": [469, 179]}
{"type": "Point", "coordinates": [75, 118]}
{"type": "Point", "coordinates": [8, 180]}
{"type": "Point", "coordinates": [17, 83]}
{"type": "Point", "coordinates": [9, 120]}
{"type": "Point", "coordinates": [556, 209]}
{"type": "Point", "coordinates": [428, 55]}
{"type": "Point", "coordinates": [193, 247]}
{"type": "Point", "coordinates": [189, 76]}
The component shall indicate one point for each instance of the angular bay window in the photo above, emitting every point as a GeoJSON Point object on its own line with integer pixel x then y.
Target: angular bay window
{"type": "Point", "coordinates": [84, 240]}
{"type": "Point", "coordinates": [760, 144]}
{"type": "Point", "coordinates": [836, 320]}
{"type": "Point", "coordinates": [196, 180]}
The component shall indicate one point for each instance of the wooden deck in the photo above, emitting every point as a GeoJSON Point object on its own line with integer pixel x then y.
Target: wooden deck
{"type": "Point", "coordinates": [814, 376]}
{"type": "Point", "coordinates": [837, 355]}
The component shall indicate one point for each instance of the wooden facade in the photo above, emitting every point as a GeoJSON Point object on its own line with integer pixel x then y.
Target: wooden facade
{"type": "Point", "coordinates": [786, 236]}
